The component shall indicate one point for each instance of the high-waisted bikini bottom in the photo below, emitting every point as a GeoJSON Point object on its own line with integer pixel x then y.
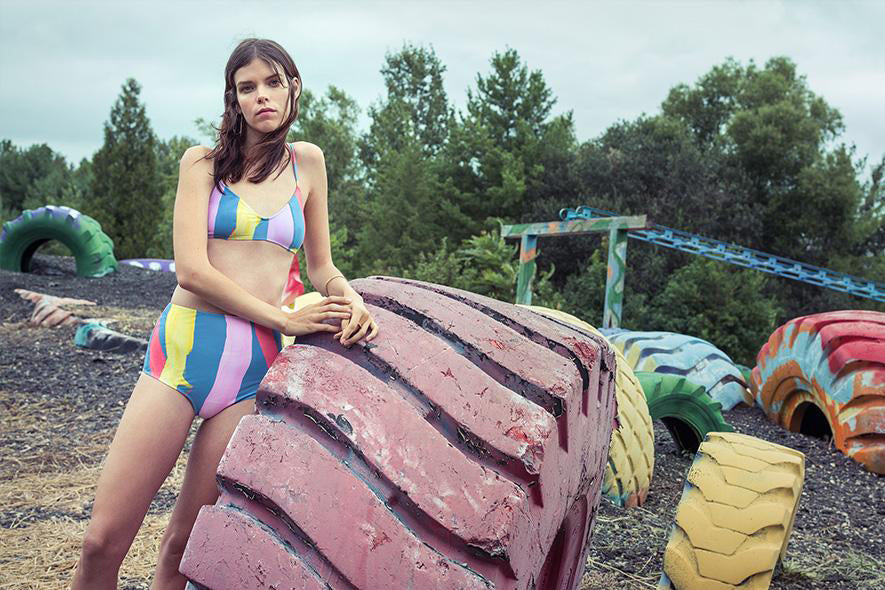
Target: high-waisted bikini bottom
{"type": "Point", "coordinates": [214, 359]}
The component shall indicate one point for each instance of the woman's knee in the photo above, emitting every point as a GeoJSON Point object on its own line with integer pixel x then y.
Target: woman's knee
{"type": "Point", "coordinates": [102, 546]}
{"type": "Point", "coordinates": [175, 539]}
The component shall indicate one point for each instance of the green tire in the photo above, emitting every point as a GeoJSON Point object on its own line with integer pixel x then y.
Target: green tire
{"type": "Point", "coordinates": [93, 250]}
{"type": "Point", "coordinates": [684, 408]}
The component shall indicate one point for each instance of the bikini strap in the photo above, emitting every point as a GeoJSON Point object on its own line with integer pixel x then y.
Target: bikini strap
{"type": "Point", "coordinates": [294, 164]}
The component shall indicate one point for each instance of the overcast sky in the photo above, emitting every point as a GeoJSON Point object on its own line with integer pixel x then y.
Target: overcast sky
{"type": "Point", "coordinates": [62, 63]}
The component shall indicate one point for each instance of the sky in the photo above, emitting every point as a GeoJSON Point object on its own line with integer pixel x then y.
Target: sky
{"type": "Point", "coordinates": [62, 64]}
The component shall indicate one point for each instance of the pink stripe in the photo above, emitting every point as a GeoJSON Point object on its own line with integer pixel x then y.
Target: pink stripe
{"type": "Point", "coordinates": [232, 368]}
{"type": "Point", "coordinates": [280, 229]}
{"type": "Point", "coordinates": [300, 197]}
{"type": "Point", "coordinates": [267, 343]}
{"type": "Point", "coordinates": [214, 201]}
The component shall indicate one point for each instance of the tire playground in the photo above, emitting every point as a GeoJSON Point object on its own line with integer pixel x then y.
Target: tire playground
{"type": "Point", "coordinates": [471, 449]}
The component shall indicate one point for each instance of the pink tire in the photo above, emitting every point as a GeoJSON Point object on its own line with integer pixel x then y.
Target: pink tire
{"type": "Point", "coordinates": [464, 448]}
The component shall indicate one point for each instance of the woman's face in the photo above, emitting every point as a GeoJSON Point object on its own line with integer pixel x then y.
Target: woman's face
{"type": "Point", "coordinates": [263, 95]}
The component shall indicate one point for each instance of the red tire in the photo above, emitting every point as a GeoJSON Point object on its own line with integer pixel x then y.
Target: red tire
{"type": "Point", "coordinates": [463, 448]}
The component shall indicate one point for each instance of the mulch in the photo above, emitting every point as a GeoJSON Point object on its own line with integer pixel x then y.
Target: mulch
{"type": "Point", "coordinates": [838, 539]}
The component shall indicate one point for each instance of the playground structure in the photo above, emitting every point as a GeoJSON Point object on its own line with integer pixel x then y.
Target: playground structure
{"type": "Point", "coordinates": [815, 375]}
{"type": "Point", "coordinates": [584, 220]}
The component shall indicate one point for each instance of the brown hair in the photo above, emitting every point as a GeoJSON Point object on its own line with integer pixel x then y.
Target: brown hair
{"type": "Point", "coordinates": [230, 162]}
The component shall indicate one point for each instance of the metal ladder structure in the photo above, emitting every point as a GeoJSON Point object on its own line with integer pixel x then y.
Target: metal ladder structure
{"type": "Point", "coordinates": [741, 256]}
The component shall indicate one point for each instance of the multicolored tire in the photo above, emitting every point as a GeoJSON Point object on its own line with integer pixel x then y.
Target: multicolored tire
{"type": "Point", "coordinates": [158, 264]}
{"type": "Point", "coordinates": [735, 516]}
{"type": "Point", "coordinates": [631, 453]}
{"type": "Point", "coordinates": [686, 356]}
{"type": "Point", "coordinates": [462, 448]}
{"type": "Point", "coordinates": [684, 408]}
{"type": "Point", "coordinates": [20, 238]}
{"type": "Point", "coordinates": [834, 362]}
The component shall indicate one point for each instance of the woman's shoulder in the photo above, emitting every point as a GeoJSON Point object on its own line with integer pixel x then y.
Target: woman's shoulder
{"type": "Point", "coordinates": [195, 153]}
{"type": "Point", "coordinates": [307, 152]}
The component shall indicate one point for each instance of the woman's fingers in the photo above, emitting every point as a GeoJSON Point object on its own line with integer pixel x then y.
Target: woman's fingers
{"type": "Point", "coordinates": [373, 331]}
{"type": "Point", "coordinates": [357, 335]}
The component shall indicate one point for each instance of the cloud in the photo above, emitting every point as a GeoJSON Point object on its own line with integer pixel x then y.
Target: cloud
{"type": "Point", "coordinates": [63, 62]}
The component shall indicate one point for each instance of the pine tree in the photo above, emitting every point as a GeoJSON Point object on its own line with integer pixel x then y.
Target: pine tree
{"type": "Point", "coordinates": [126, 187]}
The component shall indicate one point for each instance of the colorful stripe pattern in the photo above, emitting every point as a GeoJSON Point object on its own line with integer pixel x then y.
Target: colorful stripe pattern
{"type": "Point", "coordinates": [226, 365]}
{"type": "Point", "coordinates": [231, 218]}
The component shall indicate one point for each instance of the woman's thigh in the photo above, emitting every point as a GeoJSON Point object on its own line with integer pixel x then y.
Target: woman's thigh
{"type": "Point", "coordinates": [148, 441]}
{"type": "Point", "coordinates": [199, 487]}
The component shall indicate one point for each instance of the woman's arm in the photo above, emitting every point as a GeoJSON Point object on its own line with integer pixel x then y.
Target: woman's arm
{"type": "Point", "coordinates": [195, 273]}
{"type": "Point", "coordinates": [321, 271]}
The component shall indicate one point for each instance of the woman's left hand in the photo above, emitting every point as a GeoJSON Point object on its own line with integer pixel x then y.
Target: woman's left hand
{"type": "Point", "coordinates": [359, 326]}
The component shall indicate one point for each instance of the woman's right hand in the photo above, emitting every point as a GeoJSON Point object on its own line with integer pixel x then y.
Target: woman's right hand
{"type": "Point", "coordinates": [324, 316]}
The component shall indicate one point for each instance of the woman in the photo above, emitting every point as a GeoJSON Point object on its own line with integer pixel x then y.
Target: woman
{"type": "Point", "coordinates": [222, 329]}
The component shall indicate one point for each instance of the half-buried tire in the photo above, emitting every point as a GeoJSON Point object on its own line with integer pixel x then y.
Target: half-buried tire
{"type": "Point", "coordinates": [631, 456]}
{"type": "Point", "coordinates": [463, 448]}
{"type": "Point", "coordinates": [683, 407]}
{"type": "Point", "coordinates": [824, 375]}
{"type": "Point", "coordinates": [735, 515]}
{"type": "Point", "coordinates": [92, 249]}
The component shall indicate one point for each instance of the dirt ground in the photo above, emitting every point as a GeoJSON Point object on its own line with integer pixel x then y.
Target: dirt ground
{"type": "Point", "coordinates": [59, 405]}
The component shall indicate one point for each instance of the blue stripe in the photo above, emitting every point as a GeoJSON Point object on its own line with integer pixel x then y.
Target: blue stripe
{"type": "Point", "coordinates": [201, 367]}
{"type": "Point", "coordinates": [298, 222]}
{"type": "Point", "coordinates": [162, 331]}
{"type": "Point", "coordinates": [256, 371]}
{"type": "Point", "coordinates": [260, 232]}
{"type": "Point", "coordinates": [226, 219]}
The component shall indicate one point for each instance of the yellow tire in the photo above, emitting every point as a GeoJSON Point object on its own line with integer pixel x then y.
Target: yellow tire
{"type": "Point", "coordinates": [300, 301]}
{"type": "Point", "coordinates": [631, 452]}
{"type": "Point", "coordinates": [735, 515]}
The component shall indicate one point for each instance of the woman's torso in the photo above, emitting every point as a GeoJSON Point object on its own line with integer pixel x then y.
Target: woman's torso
{"type": "Point", "coordinates": [258, 266]}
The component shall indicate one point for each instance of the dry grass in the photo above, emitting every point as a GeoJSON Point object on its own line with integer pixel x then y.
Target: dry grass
{"type": "Point", "coordinates": [134, 321]}
{"type": "Point", "coordinates": [44, 554]}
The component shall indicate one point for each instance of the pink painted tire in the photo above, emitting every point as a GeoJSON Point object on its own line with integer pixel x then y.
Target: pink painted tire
{"type": "Point", "coordinates": [463, 448]}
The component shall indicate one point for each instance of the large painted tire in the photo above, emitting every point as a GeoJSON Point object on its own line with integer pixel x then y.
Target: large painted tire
{"type": "Point", "coordinates": [93, 250]}
{"type": "Point", "coordinates": [462, 448]}
{"type": "Point", "coordinates": [631, 453]}
{"type": "Point", "coordinates": [677, 354]}
{"type": "Point", "coordinates": [683, 407]}
{"type": "Point", "coordinates": [298, 303]}
{"type": "Point", "coordinates": [828, 366]}
{"type": "Point", "coordinates": [735, 516]}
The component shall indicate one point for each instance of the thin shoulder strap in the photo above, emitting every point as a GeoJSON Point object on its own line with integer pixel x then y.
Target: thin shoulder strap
{"type": "Point", "coordinates": [294, 163]}
{"type": "Point", "coordinates": [298, 192]}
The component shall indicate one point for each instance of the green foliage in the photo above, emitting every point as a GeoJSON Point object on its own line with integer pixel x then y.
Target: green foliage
{"type": "Point", "coordinates": [719, 303]}
{"type": "Point", "coordinates": [126, 186]}
{"type": "Point", "coordinates": [168, 157]}
{"type": "Point", "coordinates": [484, 264]}
{"type": "Point", "coordinates": [34, 177]}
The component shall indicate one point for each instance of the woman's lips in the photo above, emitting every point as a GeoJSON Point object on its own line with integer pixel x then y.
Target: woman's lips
{"type": "Point", "coordinates": [264, 113]}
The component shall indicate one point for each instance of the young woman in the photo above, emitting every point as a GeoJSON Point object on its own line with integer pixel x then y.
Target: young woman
{"type": "Point", "coordinates": [241, 211]}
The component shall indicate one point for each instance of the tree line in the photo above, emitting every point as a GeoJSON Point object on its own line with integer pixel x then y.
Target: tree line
{"type": "Point", "coordinates": [746, 154]}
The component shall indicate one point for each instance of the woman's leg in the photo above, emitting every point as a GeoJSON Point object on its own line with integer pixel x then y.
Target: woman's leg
{"type": "Point", "coordinates": [146, 445]}
{"type": "Point", "coordinates": [199, 489]}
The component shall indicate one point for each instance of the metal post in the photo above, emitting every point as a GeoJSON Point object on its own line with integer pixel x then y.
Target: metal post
{"type": "Point", "coordinates": [614, 283]}
{"type": "Point", "coordinates": [528, 250]}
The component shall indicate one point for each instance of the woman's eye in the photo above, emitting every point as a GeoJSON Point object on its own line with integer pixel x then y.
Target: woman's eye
{"type": "Point", "coordinates": [274, 82]}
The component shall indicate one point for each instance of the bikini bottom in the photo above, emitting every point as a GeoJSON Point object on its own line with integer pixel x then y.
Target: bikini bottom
{"type": "Point", "coordinates": [214, 359]}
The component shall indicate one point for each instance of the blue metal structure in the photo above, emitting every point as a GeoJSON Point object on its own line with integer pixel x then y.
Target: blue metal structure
{"type": "Point", "coordinates": [746, 257]}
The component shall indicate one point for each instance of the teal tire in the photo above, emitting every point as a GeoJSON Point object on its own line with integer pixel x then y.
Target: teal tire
{"type": "Point", "coordinates": [92, 249]}
{"type": "Point", "coordinates": [683, 407]}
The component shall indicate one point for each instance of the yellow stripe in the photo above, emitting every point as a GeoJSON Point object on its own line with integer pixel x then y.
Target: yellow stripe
{"type": "Point", "coordinates": [247, 222]}
{"type": "Point", "coordinates": [179, 343]}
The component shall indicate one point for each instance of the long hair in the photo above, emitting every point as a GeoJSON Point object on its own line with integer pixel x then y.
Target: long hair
{"type": "Point", "coordinates": [230, 161]}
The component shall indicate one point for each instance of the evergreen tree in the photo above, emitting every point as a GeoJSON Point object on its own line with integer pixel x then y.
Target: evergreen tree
{"type": "Point", "coordinates": [126, 187]}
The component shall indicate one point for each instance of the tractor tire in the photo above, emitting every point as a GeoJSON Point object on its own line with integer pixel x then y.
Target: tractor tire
{"type": "Point", "coordinates": [677, 354]}
{"type": "Point", "coordinates": [684, 408]}
{"type": "Point", "coordinates": [832, 364]}
{"type": "Point", "coordinates": [735, 516]}
{"type": "Point", "coordinates": [462, 448]}
{"type": "Point", "coordinates": [631, 453]}
{"type": "Point", "coordinates": [93, 250]}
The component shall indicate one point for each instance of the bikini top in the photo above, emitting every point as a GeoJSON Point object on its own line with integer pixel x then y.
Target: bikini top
{"type": "Point", "coordinates": [231, 218]}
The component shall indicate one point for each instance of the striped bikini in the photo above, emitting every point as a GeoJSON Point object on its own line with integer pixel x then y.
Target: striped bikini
{"type": "Point", "coordinates": [216, 359]}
